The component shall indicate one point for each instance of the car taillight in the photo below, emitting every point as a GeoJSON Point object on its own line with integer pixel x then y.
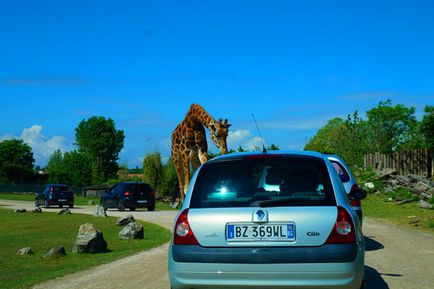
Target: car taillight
{"type": "Point", "coordinates": [183, 233]}
{"type": "Point", "coordinates": [152, 194]}
{"type": "Point", "coordinates": [356, 203]}
{"type": "Point", "coordinates": [51, 189]}
{"type": "Point", "coordinates": [343, 230]}
{"type": "Point", "coordinates": [128, 193]}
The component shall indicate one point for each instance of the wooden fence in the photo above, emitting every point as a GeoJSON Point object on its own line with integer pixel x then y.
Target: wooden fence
{"type": "Point", "coordinates": [417, 162]}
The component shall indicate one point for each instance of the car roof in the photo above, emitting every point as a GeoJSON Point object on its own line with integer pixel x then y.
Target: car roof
{"type": "Point", "coordinates": [309, 154]}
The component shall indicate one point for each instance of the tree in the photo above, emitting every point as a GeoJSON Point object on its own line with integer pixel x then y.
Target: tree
{"type": "Point", "coordinates": [56, 169]}
{"type": "Point", "coordinates": [391, 127]}
{"type": "Point", "coordinates": [16, 161]}
{"type": "Point", "coordinates": [328, 138]}
{"type": "Point", "coordinates": [427, 127]}
{"type": "Point", "coordinates": [169, 182]}
{"type": "Point", "coordinates": [79, 168]}
{"type": "Point", "coordinates": [153, 170]}
{"type": "Point", "coordinates": [99, 140]}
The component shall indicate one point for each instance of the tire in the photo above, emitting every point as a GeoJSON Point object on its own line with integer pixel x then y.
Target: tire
{"type": "Point", "coordinates": [121, 206]}
{"type": "Point", "coordinates": [151, 208]}
{"type": "Point", "coordinates": [60, 206]}
{"type": "Point", "coordinates": [102, 203]}
{"type": "Point", "coordinates": [46, 205]}
{"type": "Point", "coordinates": [132, 209]}
{"type": "Point", "coordinates": [71, 206]}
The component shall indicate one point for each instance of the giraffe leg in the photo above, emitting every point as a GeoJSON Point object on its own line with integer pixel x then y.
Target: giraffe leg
{"type": "Point", "coordinates": [186, 169]}
{"type": "Point", "coordinates": [177, 163]}
{"type": "Point", "coordinates": [203, 156]}
{"type": "Point", "coordinates": [194, 158]}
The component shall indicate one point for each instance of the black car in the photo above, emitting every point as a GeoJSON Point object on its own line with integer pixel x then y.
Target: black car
{"type": "Point", "coordinates": [55, 195]}
{"type": "Point", "coordinates": [129, 195]}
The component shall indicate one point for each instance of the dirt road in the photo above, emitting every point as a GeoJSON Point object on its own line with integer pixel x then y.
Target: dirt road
{"type": "Point", "coordinates": [396, 258]}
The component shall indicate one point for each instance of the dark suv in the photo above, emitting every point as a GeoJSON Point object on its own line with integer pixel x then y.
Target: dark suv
{"type": "Point", "coordinates": [129, 195]}
{"type": "Point", "coordinates": [55, 195]}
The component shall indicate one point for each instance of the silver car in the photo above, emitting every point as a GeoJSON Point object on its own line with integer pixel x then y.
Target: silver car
{"type": "Point", "coordinates": [235, 232]}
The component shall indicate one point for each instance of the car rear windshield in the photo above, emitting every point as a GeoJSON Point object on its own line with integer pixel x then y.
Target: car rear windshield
{"type": "Point", "coordinates": [136, 188]}
{"type": "Point", "coordinates": [59, 189]}
{"type": "Point", "coordinates": [283, 181]}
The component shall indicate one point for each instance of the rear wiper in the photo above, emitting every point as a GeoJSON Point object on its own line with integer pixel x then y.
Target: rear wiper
{"type": "Point", "coordinates": [275, 203]}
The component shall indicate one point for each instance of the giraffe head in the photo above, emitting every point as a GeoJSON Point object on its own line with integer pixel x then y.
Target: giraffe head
{"type": "Point", "coordinates": [219, 132]}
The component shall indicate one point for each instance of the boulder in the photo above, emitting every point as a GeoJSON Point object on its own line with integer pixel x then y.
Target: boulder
{"type": "Point", "coordinates": [100, 212]}
{"type": "Point", "coordinates": [37, 210]}
{"type": "Point", "coordinates": [125, 220]}
{"type": "Point", "coordinates": [25, 251]}
{"type": "Point", "coordinates": [425, 205]}
{"type": "Point", "coordinates": [91, 202]}
{"type": "Point", "coordinates": [89, 240]}
{"type": "Point", "coordinates": [369, 186]}
{"type": "Point", "coordinates": [132, 231]}
{"type": "Point", "coordinates": [64, 211]}
{"type": "Point", "coordinates": [55, 252]}
{"type": "Point", "coordinates": [20, 210]}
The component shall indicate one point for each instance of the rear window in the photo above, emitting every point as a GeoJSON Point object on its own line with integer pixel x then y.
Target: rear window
{"type": "Point", "coordinates": [136, 188]}
{"type": "Point", "coordinates": [342, 172]}
{"type": "Point", "coordinates": [59, 189]}
{"type": "Point", "coordinates": [286, 181]}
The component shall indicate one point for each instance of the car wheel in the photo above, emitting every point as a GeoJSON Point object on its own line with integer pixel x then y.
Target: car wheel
{"type": "Point", "coordinates": [121, 206]}
{"type": "Point", "coordinates": [60, 206]}
{"type": "Point", "coordinates": [46, 205]}
{"type": "Point", "coordinates": [71, 206]}
{"type": "Point", "coordinates": [151, 208]}
{"type": "Point", "coordinates": [132, 209]}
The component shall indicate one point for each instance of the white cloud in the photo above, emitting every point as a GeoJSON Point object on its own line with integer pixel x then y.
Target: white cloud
{"type": "Point", "coordinates": [243, 138]}
{"type": "Point", "coordinates": [42, 146]}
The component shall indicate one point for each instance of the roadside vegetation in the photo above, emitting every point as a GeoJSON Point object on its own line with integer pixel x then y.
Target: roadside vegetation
{"type": "Point", "coordinates": [47, 230]}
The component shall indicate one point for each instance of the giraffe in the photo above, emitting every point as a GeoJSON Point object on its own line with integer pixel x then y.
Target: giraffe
{"type": "Point", "coordinates": [189, 145]}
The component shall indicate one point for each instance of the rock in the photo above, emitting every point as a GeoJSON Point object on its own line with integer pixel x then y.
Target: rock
{"type": "Point", "coordinates": [389, 199]}
{"type": "Point", "coordinates": [55, 252]}
{"type": "Point", "coordinates": [64, 211]}
{"type": "Point", "coordinates": [425, 205]}
{"type": "Point", "coordinates": [132, 231]}
{"type": "Point", "coordinates": [100, 212]}
{"type": "Point", "coordinates": [426, 195]}
{"type": "Point", "coordinates": [25, 251]}
{"type": "Point", "coordinates": [413, 220]}
{"type": "Point", "coordinates": [387, 174]}
{"type": "Point", "coordinates": [37, 210]}
{"type": "Point", "coordinates": [91, 202]}
{"type": "Point", "coordinates": [405, 201]}
{"type": "Point", "coordinates": [125, 220]}
{"type": "Point", "coordinates": [422, 187]}
{"type": "Point", "coordinates": [89, 240]}
{"type": "Point", "coordinates": [20, 210]}
{"type": "Point", "coordinates": [369, 186]}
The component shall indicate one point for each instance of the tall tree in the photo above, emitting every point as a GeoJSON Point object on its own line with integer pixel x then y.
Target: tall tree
{"type": "Point", "coordinates": [78, 167]}
{"type": "Point", "coordinates": [16, 161]}
{"type": "Point", "coordinates": [427, 126]}
{"type": "Point", "coordinates": [153, 170]}
{"type": "Point", "coordinates": [391, 127]}
{"type": "Point", "coordinates": [99, 140]}
{"type": "Point", "coordinates": [57, 172]}
{"type": "Point", "coordinates": [169, 182]}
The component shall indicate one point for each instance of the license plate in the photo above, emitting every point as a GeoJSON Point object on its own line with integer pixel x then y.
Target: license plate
{"type": "Point", "coordinates": [142, 201]}
{"type": "Point", "coordinates": [62, 200]}
{"type": "Point", "coordinates": [261, 232]}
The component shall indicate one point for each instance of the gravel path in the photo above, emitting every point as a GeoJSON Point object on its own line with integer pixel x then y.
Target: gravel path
{"type": "Point", "coordinates": [396, 258]}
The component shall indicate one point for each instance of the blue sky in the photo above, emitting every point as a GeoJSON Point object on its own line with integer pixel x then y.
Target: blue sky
{"type": "Point", "coordinates": [294, 64]}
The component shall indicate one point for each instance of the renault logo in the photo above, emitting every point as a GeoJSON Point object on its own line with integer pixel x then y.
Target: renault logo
{"type": "Point", "coordinates": [260, 216]}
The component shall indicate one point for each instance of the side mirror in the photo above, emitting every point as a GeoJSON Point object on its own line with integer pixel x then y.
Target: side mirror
{"type": "Point", "coordinates": [357, 194]}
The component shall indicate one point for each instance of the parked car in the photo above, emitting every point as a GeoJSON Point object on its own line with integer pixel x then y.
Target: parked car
{"type": "Point", "coordinates": [129, 195]}
{"type": "Point", "coordinates": [348, 180]}
{"type": "Point", "coordinates": [234, 232]}
{"type": "Point", "coordinates": [55, 195]}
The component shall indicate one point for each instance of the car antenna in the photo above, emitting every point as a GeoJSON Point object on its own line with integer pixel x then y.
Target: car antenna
{"type": "Point", "coordinates": [264, 150]}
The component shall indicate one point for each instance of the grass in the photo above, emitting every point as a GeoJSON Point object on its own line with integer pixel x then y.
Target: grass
{"type": "Point", "coordinates": [47, 230]}
{"type": "Point", "coordinates": [375, 206]}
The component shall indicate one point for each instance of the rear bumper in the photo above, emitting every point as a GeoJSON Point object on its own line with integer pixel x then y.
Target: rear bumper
{"type": "Point", "coordinates": [335, 275]}
{"type": "Point", "coordinates": [135, 204]}
{"type": "Point", "coordinates": [334, 253]}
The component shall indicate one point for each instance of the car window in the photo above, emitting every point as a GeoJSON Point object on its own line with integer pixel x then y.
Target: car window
{"type": "Point", "coordinates": [58, 189]}
{"type": "Point", "coordinates": [241, 183]}
{"type": "Point", "coordinates": [135, 188]}
{"type": "Point", "coordinates": [342, 172]}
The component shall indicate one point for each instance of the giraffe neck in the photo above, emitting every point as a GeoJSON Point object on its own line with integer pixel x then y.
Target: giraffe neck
{"type": "Point", "coordinates": [198, 114]}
